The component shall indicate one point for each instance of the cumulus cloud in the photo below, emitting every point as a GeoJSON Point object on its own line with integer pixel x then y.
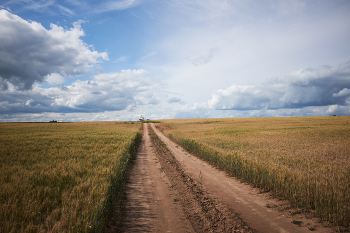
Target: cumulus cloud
{"type": "Point", "coordinates": [325, 86]}
{"type": "Point", "coordinates": [54, 78]}
{"type": "Point", "coordinates": [344, 92]}
{"type": "Point", "coordinates": [105, 92]}
{"type": "Point", "coordinates": [29, 53]}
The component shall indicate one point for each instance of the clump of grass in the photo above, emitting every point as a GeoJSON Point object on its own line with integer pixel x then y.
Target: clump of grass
{"type": "Point", "coordinates": [62, 177]}
{"type": "Point", "coordinates": [303, 159]}
{"type": "Point", "coordinates": [297, 222]}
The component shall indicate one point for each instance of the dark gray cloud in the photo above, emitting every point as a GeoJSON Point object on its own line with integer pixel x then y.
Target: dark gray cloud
{"type": "Point", "coordinates": [27, 102]}
{"type": "Point", "coordinates": [324, 86]}
{"type": "Point", "coordinates": [29, 53]}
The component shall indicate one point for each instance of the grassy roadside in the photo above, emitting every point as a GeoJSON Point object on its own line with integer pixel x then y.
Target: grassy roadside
{"type": "Point", "coordinates": [62, 177]}
{"type": "Point", "coordinates": [305, 160]}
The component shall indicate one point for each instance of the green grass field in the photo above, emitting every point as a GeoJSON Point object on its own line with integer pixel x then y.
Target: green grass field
{"type": "Point", "coordinates": [62, 177]}
{"type": "Point", "coordinates": [303, 159]}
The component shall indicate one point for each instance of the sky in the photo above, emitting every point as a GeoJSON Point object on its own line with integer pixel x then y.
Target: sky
{"type": "Point", "coordinates": [84, 60]}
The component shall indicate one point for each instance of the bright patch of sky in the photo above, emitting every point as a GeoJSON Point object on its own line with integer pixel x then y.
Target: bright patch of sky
{"type": "Point", "coordinates": [115, 60]}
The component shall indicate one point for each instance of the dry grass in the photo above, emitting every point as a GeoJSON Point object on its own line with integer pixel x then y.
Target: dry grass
{"type": "Point", "coordinates": [62, 177]}
{"type": "Point", "coordinates": [306, 159]}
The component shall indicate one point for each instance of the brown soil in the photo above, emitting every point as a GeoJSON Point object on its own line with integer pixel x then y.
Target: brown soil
{"type": "Point", "coordinates": [170, 190]}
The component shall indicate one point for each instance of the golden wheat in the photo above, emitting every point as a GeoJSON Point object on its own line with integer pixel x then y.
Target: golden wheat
{"type": "Point", "coordinates": [303, 159]}
{"type": "Point", "coordinates": [61, 177]}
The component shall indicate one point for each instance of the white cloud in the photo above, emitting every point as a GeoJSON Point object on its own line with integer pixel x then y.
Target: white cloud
{"type": "Point", "coordinates": [55, 78]}
{"type": "Point", "coordinates": [42, 6]}
{"type": "Point", "coordinates": [240, 98]}
{"type": "Point", "coordinates": [100, 117]}
{"type": "Point", "coordinates": [39, 5]}
{"type": "Point", "coordinates": [338, 110]}
{"type": "Point", "coordinates": [29, 52]}
{"type": "Point", "coordinates": [255, 42]}
{"type": "Point", "coordinates": [65, 10]}
{"type": "Point", "coordinates": [309, 87]}
{"type": "Point", "coordinates": [105, 92]}
{"type": "Point", "coordinates": [344, 92]}
{"type": "Point", "coordinates": [178, 41]}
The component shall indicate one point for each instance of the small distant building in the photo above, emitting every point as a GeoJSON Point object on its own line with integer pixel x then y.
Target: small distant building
{"type": "Point", "coordinates": [142, 118]}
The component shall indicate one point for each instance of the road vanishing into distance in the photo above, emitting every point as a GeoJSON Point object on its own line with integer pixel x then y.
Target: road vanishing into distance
{"type": "Point", "coordinates": [170, 190]}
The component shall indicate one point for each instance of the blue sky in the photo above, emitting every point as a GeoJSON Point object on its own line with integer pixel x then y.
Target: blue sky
{"type": "Point", "coordinates": [83, 60]}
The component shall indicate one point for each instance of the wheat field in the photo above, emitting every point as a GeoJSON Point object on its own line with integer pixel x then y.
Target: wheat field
{"type": "Point", "coordinates": [303, 159]}
{"type": "Point", "coordinates": [62, 177]}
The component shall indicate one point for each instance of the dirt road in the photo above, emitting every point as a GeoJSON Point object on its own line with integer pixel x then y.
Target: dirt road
{"type": "Point", "coordinates": [185, 194]}
{"type": "Point", "coordinates": [150, 203]}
